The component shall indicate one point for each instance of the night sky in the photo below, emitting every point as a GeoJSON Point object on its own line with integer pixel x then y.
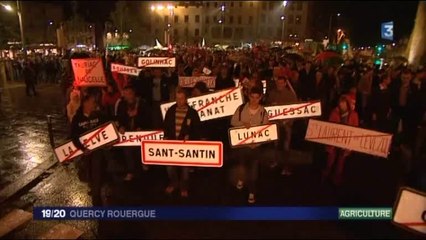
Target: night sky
{"type": "Point", "coordinates": [361, 20]}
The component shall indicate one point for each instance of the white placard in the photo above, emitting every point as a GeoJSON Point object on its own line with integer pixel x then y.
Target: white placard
{"type": "Point", "coordinates": [182, 153]}
{"type": "Point", "coordinates": [123, 69]}
{"type": "Point", "coordinates": [156, 62]}
{"type": "Point", "coordinates": [348, 137]}
{"type": "Point", "coordinates": [215, 105]}
{"type": "Point", "coordinates": [191, 81]}
{"type": "Point", "coordinates": [410, 210]}
{"type": "Point", "coordinates": [92, 140]}
{"type": "Point", "coordinates": [88, 72]}
{"type": "Point", "coordinates": [298, 110]}
{"type": "Point", "coordinates": [258, 134]}
{"type": "Point", "coordinates": [134, 139]}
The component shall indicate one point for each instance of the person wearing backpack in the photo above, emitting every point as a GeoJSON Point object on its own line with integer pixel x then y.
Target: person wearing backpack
{"type": "Point", "coordinates": [249, 115]}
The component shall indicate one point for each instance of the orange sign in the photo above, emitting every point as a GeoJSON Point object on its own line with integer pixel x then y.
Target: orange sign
{"type": "Point", "coordinates": [88, 72]}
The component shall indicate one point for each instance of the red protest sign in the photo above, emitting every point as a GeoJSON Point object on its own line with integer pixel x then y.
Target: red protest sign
{"type": "Point", "coordinates": [88, 72]}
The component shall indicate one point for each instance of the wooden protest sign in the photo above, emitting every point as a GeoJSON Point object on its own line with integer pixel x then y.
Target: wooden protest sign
{"type": "Point", "coordinates": [156, 62]}
{"type": "Point", "coordinates": [348, 137]}
{"type": "Point", "coordinates": [99, 137]}
{"type": "Point", "coordinates": [191, 81]}
{"type": "Point", "coordinates": [123, 69]}
{"type": "Point", "coordinates": [298, 110]}
{"type": "Point", "coordinates": [215, 105]}
{"type": "Point", "coordinates": [410, 210]}
{"type": "Point", "coordinates": [182, 153]}
{"type": "Point", "coordinates": [88, 72]}
{"type": "Point", "coordinates": [258, 134]}
{"type": "Point", "coordinates": [134, 139]}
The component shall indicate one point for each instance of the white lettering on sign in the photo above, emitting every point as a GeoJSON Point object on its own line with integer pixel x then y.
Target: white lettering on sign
{"type": "Point", "coordinates": [215, 105]}
{"type": "Point", "coordinates": [410, 211]}
{"type": "Point", "coordinates": [88, 72]}
{"type": "Point", "coordinates": [156, 62]}
{"type": "Point", "coordinates": [97, 138]}
{"type": "Point", "coordinates": [182, 153]}
{"type": "Point", "coordinates": [191, 81]}
{"type": "Point", "coordinates": [258, 134]}
{"type": "Point", "coordinates": [125, 69]}
{"type": "Point", "coordinates": [348, 137]}
{"type": "Point", "coordinates": [299, 110]}
{"type": "Point", "coordinates": [134, 139]}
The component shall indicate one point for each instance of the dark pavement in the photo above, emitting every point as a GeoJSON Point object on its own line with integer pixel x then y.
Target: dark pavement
{"type": "Point", "coordinates": [370, 182]}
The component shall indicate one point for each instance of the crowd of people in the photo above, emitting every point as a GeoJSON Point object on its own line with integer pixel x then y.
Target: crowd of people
{"type": "Point", "coordinates": [390, 100]}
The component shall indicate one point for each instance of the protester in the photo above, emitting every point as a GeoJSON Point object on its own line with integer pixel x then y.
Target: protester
{"type": "Point", "coordinates": [132, 115]}
{"type": "Point", "coordinates": [92, 164]}
{"type": "Point", "coordinates": [380, 105]}
{"type": "Point", "coordinates": [249, 115]}
{"type": "Point", "coordinates": [181, 123]}
{"type": "Point", "coordinates": [282, 96]}
{"type": "Point", "coordinates": [342, 114]}
{"type": "Point", "coordinates": [29, 80]}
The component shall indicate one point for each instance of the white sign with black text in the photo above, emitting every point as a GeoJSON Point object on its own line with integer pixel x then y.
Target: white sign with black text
{"type": "Point", "coordinates": [191, 81]}
{"type": "Point", "coordinates": [410, 210]}
{"type": "Point", "coordinates": [215, 105]}
{"type": "Point", "coordinates": [123, 69]}
{"type": "Point", "coordinates": [348, 137]}
{"type": "Point", "coordinates": [298, 110]}
{"type": "Point", "coordinates": [134, 139]}
{"type": "Point", "coordinates": [182, 153]}
{"type": "Point", "coordinates": [258, 134]}
{"type": "Point", "coordinates": [156, 62]}
{"type": "Point", "coordinates": [92, 140]}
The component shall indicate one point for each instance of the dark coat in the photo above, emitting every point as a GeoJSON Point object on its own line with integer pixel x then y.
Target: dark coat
{"type": "Point", "coordinates": [81, 124]}
{"type": "Point", "coordinates": [192, 129]}
{"type": "Point", "coordinates": [148, 85]}
{"type": "Point", "coordinates": [142, 120]}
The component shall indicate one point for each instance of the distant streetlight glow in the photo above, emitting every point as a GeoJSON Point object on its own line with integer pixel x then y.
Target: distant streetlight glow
{"type": "Point", "coordinates": [222, 8]}
{"type": "Point", "coordinates": [169, 25]}
{"type": "Point", "coordinates": [170, 7]}
{"type": "Point", "coordinates": [7, 7]}
{"type": "Point", "coordinates": [152, 8]}
{"type": "Point", "coordinates": [90, 26]}
{"type": "Point", "coordinates": [284, 3]}
{"type": "Point", "coordinates": [282, 17]}
{"type": "Point", "coordinates": [130, 30]}
{"type": "Point", "coordinates": [338, 14]}
{"type": "Point", "coordinates": [160, 7]}
{"type": "Point", "coordinates": [220, 21]}
{"type": "Point", "coordinates": [50, 22]}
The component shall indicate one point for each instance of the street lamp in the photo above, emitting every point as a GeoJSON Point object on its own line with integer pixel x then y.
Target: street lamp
{"type": "Point", "coordinates": [18, 11]}
{"type": "Point", "coordinates": [7, 7]}
{"type": "Point", "coordinates": [329, 23]}
{"type": "Point", "coordinates": [285, 3]}
{"type": "Point", "coordinates": [282, 28]}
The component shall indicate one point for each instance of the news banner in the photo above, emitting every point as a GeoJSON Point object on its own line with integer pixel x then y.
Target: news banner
{"type": "Point", "coordinates": [211, 213]}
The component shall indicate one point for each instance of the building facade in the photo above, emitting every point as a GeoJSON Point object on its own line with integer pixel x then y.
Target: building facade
{"type": "Point", "coordinates": [40, 20]}
{"type": "Point", "coordinates": [230, 22]}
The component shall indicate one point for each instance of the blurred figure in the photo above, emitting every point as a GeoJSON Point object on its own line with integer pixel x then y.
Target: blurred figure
{"type": "Point", "coordinates": [29, 77]}
{"type": "Point", "coordinates": [132, 115]}
{"type": "Point", "coordinates": [380, 105]}
{"type": "Point", "coordinates": [282, 96]}
{"type": "Point", "coordinates": [342, 114]}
